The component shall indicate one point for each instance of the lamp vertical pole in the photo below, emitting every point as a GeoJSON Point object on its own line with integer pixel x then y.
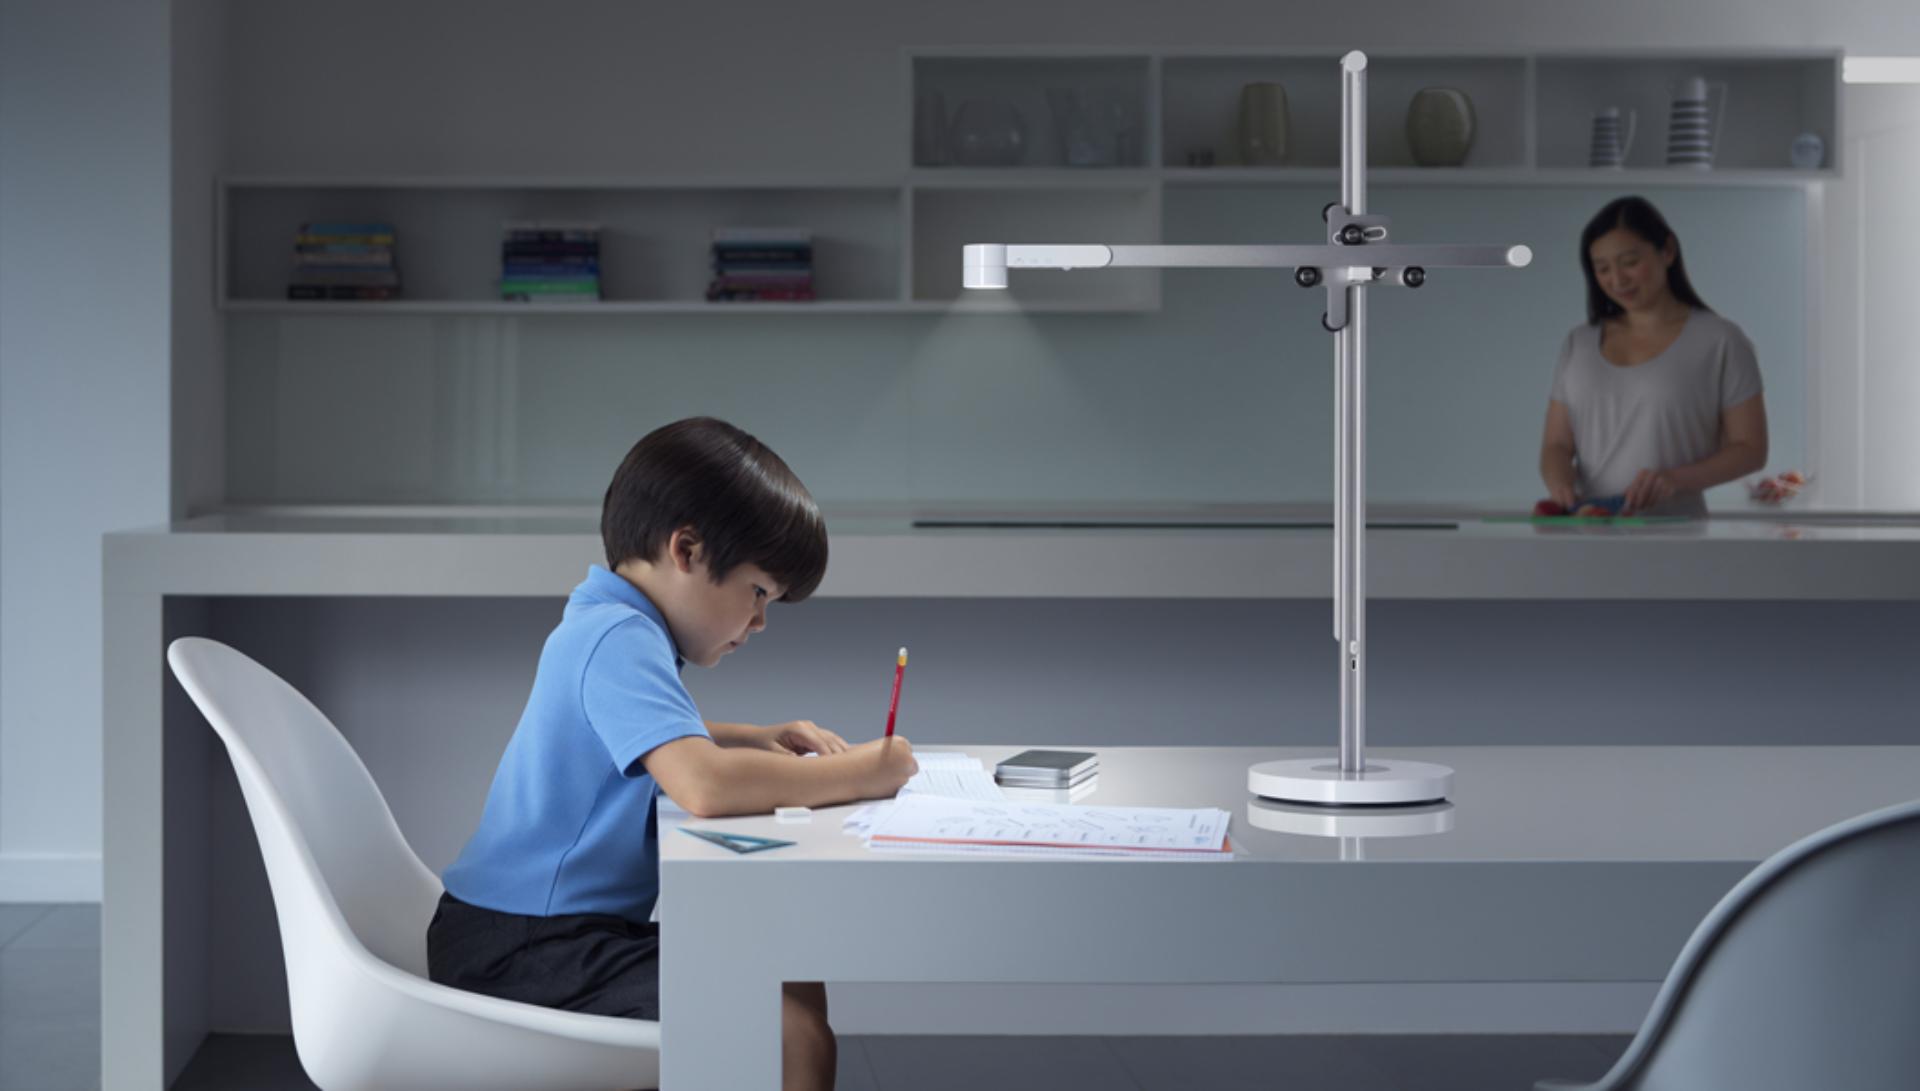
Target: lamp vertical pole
{"type": "Point", "coordinates": [1350, 490]}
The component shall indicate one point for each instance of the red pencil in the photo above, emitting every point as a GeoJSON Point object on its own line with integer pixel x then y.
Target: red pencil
{"type": "Point", "coordinates": [899, 672]}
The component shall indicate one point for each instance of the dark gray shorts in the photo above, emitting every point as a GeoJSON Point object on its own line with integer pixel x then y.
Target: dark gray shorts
{"type": "Point", "coordinates": [605, 965]}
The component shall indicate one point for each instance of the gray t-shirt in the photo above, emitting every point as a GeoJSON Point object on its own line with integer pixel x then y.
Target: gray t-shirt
{"type": "Point", "coordinates": [1657, 415]}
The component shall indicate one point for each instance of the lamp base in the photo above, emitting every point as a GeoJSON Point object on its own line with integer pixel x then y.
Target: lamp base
{"type": "Point", "coordinates": [1380, 784]}
{"type": "Point", "coordinates": [1319, 820]}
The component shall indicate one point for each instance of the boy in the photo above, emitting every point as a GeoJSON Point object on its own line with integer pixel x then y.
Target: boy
{"type": "Point", "coordinates": [549, 902]}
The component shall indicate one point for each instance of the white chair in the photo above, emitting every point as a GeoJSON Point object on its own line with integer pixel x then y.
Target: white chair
{"type": "Point", "coordinates": [1806, 975]}
{"type": "Point", "coordinates": [353, 903]}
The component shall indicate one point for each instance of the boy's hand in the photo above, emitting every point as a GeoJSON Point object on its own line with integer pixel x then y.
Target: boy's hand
{"type": "Point", "coordinates": [804, 737]}
{"type": "Point", "coordinates": [892, 764]}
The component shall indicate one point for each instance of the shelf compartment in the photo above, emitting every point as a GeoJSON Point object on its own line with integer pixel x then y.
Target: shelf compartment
{"type": "Point", "coordinates": [1112, 89]}
{"type": "Point", "coordinates": [1201, 105]}
{"type": "Point", "coordinates": [1770, 100]}
{"type": "Point", "coordinates": [655, 241]}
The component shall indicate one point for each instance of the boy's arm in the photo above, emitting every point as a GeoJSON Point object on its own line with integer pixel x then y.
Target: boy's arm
{"type": "Point", "coordinates": [711, 781]}
{"type": "Point", "coordinates": [750, 736]}
{"type": "Point", "coordinates": [794, 737]}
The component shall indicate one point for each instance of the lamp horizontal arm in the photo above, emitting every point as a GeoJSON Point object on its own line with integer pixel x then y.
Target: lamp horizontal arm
{"type": "Point", "coordinates": [1322, 256]}
{"type": "Point", "coordinates": [985, 264]}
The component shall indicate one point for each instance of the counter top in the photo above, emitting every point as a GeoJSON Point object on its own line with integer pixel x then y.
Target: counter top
{"type": "Point", "coordinates": [1199, 552]}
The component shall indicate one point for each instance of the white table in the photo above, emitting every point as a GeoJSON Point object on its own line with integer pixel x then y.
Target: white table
{"type": "Point", "coordinates": [1586, 864]}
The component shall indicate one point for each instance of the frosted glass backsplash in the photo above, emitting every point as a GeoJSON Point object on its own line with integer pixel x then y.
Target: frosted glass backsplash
{"type": "Point", "coordinates": [1223, 396]}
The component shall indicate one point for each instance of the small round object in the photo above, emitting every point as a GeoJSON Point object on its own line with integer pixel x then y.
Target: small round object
{"type": "Point", "coordinates": [1353, 235]}
{"type": "Point", "coordinates": [1414, 277]}
{"type": "Point", "coordinates": [1306, 276]}
{"type": "Point", "coordinates": [1808, 151]}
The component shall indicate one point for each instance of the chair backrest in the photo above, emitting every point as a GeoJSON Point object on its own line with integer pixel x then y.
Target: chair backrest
{"type": "Point", "coordinates": [343, 876]}
{"type": "Point", "coordinates": [1807, 974]}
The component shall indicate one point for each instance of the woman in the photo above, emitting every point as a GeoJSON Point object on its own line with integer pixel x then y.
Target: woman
{"type": "Point", "coordinates": [1656, 398]}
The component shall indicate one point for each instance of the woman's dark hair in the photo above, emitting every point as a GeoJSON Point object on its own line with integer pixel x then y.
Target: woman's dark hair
{"type": "Point", "coordinates": [736, 494]}
{"type": "Point", "coordinates": [1635, 214]}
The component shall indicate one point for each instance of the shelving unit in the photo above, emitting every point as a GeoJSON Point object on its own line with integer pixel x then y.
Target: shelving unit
{"type": "Point", "coordinates": [890, 244]}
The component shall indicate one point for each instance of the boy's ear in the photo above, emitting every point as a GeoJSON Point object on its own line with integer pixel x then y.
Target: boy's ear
{"type": "Point", "coordinates": [685, 550]}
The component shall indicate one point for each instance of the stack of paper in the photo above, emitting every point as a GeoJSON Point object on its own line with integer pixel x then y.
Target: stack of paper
{"type": "Point", "coordinates": [929, 823]}
{"type": "Point", "coordinates": [942, 773]}
{"type": "Point", "coordinates": [953, 774]}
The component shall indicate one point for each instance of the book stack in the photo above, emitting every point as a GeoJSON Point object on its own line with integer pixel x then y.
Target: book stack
{"type": "Point", "coordinates": [550, 262]}
{"type": "Point", "coordinates": [344, 261]}
{"type": "Point", "coordinates": [766, 264]}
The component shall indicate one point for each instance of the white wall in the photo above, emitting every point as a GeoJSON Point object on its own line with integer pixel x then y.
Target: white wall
{"type": "Point", "coordinates": [84, 274]}
{"type": "Point", "coordinates": [1867, 378]}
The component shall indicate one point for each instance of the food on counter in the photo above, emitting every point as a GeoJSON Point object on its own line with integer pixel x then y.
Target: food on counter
{"type": "Point", "coordinates": [1777, 489]}
{"type": "Point", "coordinates": [1594, 507]}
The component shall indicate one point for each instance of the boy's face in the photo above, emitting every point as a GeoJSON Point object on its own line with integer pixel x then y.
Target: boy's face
{"type": "Point", "coordinates": [707, 619]}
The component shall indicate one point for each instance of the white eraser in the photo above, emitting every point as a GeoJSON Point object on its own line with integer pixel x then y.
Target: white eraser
{"type": "Point", "coordinates": [793, 814]}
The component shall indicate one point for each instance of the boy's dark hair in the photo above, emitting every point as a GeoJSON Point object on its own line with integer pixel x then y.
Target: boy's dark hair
{"type": "Point", "coordinates": [1635, 214]}
{"type": "Point", "coordinates": [736, 494]}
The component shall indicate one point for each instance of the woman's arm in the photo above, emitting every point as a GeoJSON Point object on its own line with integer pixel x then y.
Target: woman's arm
{"type": "Point", "coordinates": [1556, 455]}
{"type": "Point", "coordinates": [1743, 450]}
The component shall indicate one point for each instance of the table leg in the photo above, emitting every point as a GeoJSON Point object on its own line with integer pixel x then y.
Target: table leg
{"type": "Point", "coordinates": [719, 1007]}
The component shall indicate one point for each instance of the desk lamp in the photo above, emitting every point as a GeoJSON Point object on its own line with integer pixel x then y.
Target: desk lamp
{"type": "Point", "coordinates": [1356, 256]}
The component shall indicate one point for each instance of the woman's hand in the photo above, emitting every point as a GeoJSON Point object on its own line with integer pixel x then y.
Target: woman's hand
{"type": "Point", "coordinates": [1649, 488]}
{"type": "Point", "coordinates": [804, 737]}
{"type": "Point", "coordinates": [1563, 496]}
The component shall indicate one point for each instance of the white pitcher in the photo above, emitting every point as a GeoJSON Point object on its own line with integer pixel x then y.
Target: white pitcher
{"type": "Point", "coordinates": [1609, 148]}
{"type": "Point", "coordinates": [1692, 123]}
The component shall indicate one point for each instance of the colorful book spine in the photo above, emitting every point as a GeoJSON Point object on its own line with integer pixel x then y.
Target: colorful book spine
{"type": "Point", "coordinates": [344, 259]}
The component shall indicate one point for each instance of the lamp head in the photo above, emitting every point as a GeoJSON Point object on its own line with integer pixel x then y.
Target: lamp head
{"type": "Point", "coordinates": [985, 265]}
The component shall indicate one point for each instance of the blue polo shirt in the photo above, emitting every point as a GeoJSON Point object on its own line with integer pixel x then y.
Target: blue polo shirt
{"type": "Point", "coordinates": [569, 822]}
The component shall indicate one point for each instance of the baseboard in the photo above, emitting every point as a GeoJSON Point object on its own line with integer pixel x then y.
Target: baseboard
{"type": "Point", "coordinates": [46, 877]}
{"type": "Point", "coordinates": [1464, 1008]}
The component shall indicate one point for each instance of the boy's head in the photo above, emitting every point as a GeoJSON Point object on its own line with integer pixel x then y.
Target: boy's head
{"type": "Point", "coordinates": [712, 525]}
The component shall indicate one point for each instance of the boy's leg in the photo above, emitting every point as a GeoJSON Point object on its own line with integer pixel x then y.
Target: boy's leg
{"type": "Point", "coordinates": [808, 1053]}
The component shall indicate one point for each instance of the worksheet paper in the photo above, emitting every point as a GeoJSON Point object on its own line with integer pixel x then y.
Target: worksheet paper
{"type": "Point", "coordinates": [939, 824]}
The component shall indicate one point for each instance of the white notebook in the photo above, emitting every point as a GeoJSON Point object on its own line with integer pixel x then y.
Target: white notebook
{"type": "Point", "coordinates": [953, 774]}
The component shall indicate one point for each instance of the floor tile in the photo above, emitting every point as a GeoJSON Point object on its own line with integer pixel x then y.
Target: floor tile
{"type": "Point", "coordinates": [967, 1063]}
{"type": "Point", "coordinates": [16, 917]}
{"type": "Point", "coordinates": [1463, 1062]}
{"type": "Point", "coordinates": [1246, 1063]}
{"type": "Point", "coordinates": [49, 989]}
{"type": "Point", "coordinates": [245, 1062]}
{"type": "Point", "coordinates": [66, 927]}
{"type": "Point", "coordinates": [51, 1057]}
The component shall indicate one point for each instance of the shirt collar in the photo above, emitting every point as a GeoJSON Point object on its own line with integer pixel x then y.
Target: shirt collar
{"type": "Point", "coordinates": [610, 586]}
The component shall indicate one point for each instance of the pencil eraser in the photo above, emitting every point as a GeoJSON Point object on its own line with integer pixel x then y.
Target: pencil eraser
{"type": "Point", "coordinates": [793, 814]}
